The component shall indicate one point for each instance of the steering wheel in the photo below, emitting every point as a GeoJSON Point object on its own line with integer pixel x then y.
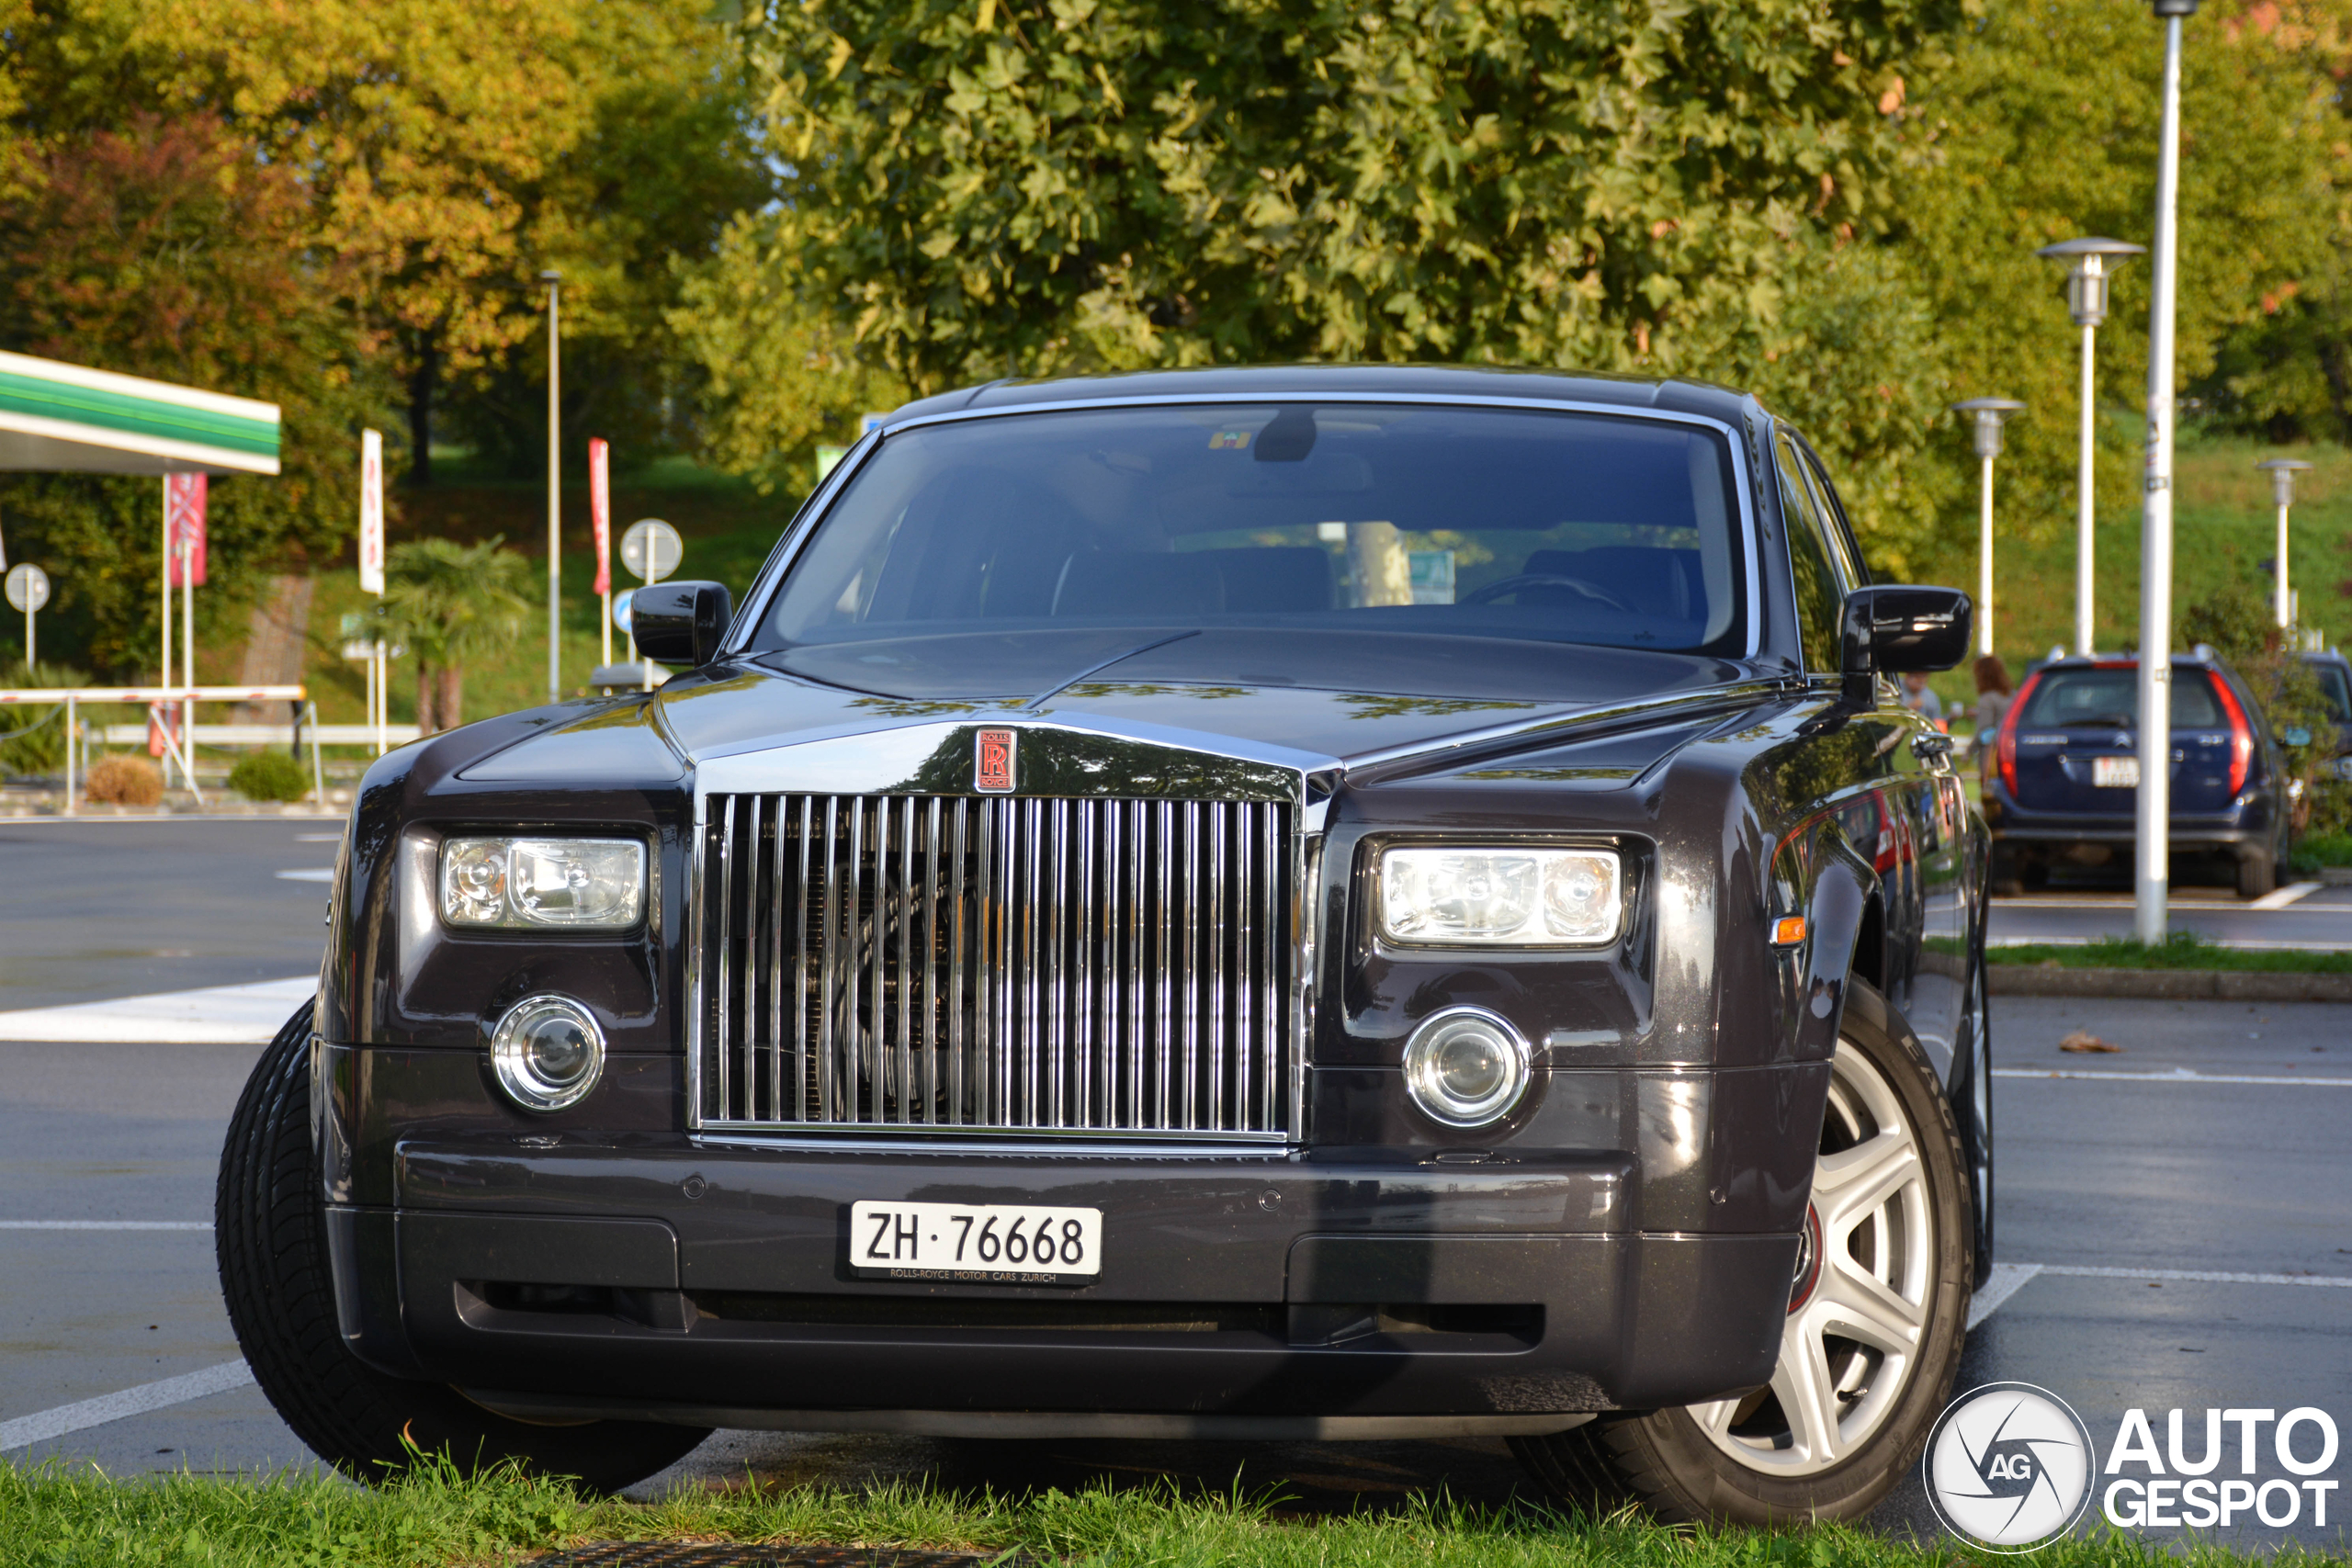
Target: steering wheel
{"type": "Point", "coordinates": [1510, 585]}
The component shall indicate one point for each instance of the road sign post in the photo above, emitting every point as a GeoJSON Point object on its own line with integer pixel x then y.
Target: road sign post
{"type": "Point", "coordinates": [28, 590]}
{"type": "Point", "coordinates": [653, 549]}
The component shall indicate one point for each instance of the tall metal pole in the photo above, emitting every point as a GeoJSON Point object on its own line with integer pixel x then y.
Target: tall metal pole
{"type": "Point", "coordinates": [2152, 887]}
{"type": "Point", "coordinates": [1985, 565]}
{"type": "Point", "coordinates": [2085, 543]}
{"type": "Point", "coordinates": [2286, 602]}
{"type": "Point", "coordinates": [554, 281]}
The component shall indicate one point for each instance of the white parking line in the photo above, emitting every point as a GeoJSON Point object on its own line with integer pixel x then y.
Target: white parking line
{"type": "Point", "coordinates": [2193, 1276]}
{"type": "Point", "coordinates": [2007, 1277]}
{"type": "Point", "coordinates": [2284, 895]}
{"type": "Point", "coordinates": [27, 1430]}
{"type": "Point", "coordinates": [2177, 1075]}
{"type": "Point", "coordinates": [105, 1224]}
{"type": "Point", "coordinates": [307, 874]}
{"type": "Point", "coordinates": [214, 1015]}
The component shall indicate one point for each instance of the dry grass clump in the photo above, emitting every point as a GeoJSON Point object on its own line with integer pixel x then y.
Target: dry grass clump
{"type": "Point", "coordinates": [124, 781]}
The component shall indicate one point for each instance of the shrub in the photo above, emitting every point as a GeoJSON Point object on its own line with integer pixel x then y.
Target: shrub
{"type": "Point", "coordinates": [2320, 850]}
{"type": "Point", "coordinates": [270, 775]}
{"type": "Point", "coordinates": [32, 739]}
{"type": "Point", "coordinates": [122, 780]}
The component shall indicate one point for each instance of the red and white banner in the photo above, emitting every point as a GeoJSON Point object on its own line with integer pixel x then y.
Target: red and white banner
{"type": "Point", "coordinates": [371, 511]}
{"type": "Point", "coordinates": [600, 509]}
{"type": "Point", "coordinates": [184, 528]}
{"type": "Point", "coordinates": [163, 728]}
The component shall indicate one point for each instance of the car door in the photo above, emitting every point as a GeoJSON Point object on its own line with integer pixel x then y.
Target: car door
{"type": "Point", "coordinates": [1921, 804]}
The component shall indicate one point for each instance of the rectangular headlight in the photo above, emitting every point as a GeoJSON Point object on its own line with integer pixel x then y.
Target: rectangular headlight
{"type": "Point", "coordinates": [1500, 898]}
{"type": "Point", "coordinates": [579, 883]}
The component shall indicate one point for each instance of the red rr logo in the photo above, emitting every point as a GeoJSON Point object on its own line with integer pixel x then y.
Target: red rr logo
{"type": "Point", "coordinates": [992, 762]}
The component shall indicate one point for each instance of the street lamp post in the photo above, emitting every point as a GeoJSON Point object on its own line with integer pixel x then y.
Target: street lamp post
{"type": "Point", "coordinates": [2282, 490]}
{"type": "Point", "coordinates": [2152, 887]}
{"type": "Point", "coordinates": [554, 280]}
{"type": "Point", "coordinates": [1988, 415]}
{"type": "Point", "coordinates": [2094, 260]}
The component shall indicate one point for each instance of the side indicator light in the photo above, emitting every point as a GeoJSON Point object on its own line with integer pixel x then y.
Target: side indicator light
{"type": "Point", "coordinates": [1787, 931]}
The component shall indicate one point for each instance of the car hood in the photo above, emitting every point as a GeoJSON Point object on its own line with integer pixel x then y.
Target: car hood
{"type": "Point", "coordinates": [1312, 698]}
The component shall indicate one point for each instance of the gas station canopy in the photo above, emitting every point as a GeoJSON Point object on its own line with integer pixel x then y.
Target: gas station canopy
{"type": "Point", "coordinates": [63, 419]}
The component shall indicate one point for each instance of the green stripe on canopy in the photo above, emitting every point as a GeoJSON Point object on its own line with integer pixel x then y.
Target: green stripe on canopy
{"type": "Point", "coordinates": [65, 419]}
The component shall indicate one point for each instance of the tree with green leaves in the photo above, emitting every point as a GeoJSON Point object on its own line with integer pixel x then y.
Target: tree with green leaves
{"type": "Point", "coordinates": [2044, 128]}
{"type": "Point", "coordinates": [452, 604]}
{"type": "Point", "coordinates": [1022, 186]}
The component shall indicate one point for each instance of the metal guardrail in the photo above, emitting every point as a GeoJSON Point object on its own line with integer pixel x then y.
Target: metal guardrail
{"type": "Point", "coordinates": [180, 742]}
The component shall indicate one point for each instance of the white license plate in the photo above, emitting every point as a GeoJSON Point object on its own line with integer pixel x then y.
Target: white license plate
{"type": "Point", "coordinates": [2115, 773]}
{"type": "Point", "coordinates": [988, 1243]}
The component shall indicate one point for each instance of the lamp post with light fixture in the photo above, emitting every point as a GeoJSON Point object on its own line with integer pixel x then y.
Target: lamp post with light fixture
{"type": "Point", "coordinates": [554, 280]}
{"type": "Point", "coordinates": [2282, 491]}
{"type": "Point", "coordinates": [1987, 416]}
{"type": "Point", "coordinates": [2094, 261]}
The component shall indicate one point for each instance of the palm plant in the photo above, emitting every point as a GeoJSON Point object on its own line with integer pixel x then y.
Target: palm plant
{"type": "Point", "coordinates": [451, 603]}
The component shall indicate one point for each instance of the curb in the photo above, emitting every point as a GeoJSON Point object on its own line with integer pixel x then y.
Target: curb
{"type": "Point", "coordinates": [2172, 985]}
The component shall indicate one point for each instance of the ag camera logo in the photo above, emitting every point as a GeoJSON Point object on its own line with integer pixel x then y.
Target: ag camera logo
{"type": "Point", "coordinates": [2009, 1467]}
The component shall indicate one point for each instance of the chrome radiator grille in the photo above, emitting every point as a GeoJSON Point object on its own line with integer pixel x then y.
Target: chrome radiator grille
{"type": "Point", "coordinates": [929, 963]}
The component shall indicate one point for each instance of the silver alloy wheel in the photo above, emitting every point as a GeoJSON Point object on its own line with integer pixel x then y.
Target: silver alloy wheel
{"type": "Point", "coordinates": [1860, 1302]}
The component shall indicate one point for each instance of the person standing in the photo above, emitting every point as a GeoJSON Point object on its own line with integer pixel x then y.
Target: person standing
{"type": "Point", "coordinates": [1992, 706]}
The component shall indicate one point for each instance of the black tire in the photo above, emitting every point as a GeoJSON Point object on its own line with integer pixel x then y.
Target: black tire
{"type": "Point", "coordinates": [1665, 1460]}
{"type": "Point", "coordinates": [270, 1235]}
{"type": "Point", "coordinates": [2257, 874]}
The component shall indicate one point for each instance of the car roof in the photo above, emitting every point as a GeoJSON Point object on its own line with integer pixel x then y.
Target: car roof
{"type": "Point", "coordinates": [1405, 382]}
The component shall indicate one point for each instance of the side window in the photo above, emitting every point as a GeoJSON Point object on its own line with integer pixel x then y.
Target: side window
{"type": "Point", "coordinates": [1820, 600]}
{"type": "Point", "coordinates": [1848, 553]}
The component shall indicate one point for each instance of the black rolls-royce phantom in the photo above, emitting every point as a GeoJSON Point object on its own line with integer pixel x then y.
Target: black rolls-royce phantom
{"type": "Point", "coordinates": [1314, 902]}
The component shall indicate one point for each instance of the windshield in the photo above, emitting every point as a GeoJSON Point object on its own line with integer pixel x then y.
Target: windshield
{"type": "Point", "coordinates": [2338, 696]}
{"type": "Point", "coordinates": [1562, 527]}
{"type": "Point", "coordinates": [2110, 699]}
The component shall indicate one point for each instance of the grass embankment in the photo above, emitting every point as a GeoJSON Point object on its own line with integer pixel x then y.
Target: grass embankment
{"type": "Point", "coordinates": [2182, 950]}
{"type": "Point", "coordinates": [2223, 528]}
{"type": "Point", "coordinates": [50, 1517]}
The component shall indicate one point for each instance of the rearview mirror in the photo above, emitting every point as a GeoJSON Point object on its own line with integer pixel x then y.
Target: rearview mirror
{"type": "Point", "coordinates": [680, 622]}
{"type": "Point", "coordinates": [1894, 628]}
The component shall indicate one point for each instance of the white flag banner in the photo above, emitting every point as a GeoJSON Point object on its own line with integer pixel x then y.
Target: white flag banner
{"type": "Point", "coordinates": [371, 511]}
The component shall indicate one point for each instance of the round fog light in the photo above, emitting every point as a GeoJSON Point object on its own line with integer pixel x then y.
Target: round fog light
{"type": "Point", "coordinates": [548, 1052]}
{"type": "Point", "coordinates": [1465, 1067]}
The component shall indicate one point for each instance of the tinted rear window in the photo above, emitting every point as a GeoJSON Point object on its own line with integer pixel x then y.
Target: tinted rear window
{"type": "Point", "coordinates": [2110, 699]}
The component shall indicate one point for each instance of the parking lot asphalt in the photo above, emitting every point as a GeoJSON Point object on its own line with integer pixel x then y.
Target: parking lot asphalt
{"type": "Point", "coordinates": [2129, 1167]}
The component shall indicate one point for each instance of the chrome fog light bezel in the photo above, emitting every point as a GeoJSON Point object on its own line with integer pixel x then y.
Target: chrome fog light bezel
{"type": "Point", "coordinates": [1424, 1082]}
{"type": "Point", "coordinates": [520, 1077]}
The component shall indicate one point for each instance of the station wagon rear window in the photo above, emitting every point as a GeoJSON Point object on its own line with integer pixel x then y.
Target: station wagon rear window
{"type": "Point", "coordinates": [2109, 699]}
{"type": "Point", "coordinates": [1561, 527]}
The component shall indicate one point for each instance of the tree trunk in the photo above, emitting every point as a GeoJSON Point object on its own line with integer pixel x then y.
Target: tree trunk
{"type": "Point", "coordinates": [420, 381]}
{"type": "Point", "coordinates": [424, 703]}
{"type": "Point", "coordinates": [452, 709]}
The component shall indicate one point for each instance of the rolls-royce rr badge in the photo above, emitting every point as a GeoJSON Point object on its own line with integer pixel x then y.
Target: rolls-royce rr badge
{"type": "Point", "coordinates": [992, 762]}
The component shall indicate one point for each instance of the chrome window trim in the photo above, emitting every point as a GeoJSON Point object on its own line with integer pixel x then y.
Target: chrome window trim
{"type": "Point", "coordinates": [773, 573]}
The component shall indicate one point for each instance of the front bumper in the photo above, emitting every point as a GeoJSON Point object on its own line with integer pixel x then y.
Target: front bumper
{"type": "Point", "coordinates": [648, 1275]}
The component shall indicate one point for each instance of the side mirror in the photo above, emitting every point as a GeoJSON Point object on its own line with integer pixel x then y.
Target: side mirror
{"type": "Point", "coordinates": [679, 622]}
{"type": "Point", "coordinates": [1892, 629]}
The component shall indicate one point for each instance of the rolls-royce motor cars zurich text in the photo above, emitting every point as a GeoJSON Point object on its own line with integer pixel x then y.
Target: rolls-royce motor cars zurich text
{"type": "Point", "coordinates": [1310, 903]}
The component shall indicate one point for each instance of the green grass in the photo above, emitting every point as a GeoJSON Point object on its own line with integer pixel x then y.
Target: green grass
{"type": "Point", "coordinates": [2223, 527]}
{"type": "Point", "coordinates": [2182, 950]}
{"type": "Point", "coordinates": [54, 1517]}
